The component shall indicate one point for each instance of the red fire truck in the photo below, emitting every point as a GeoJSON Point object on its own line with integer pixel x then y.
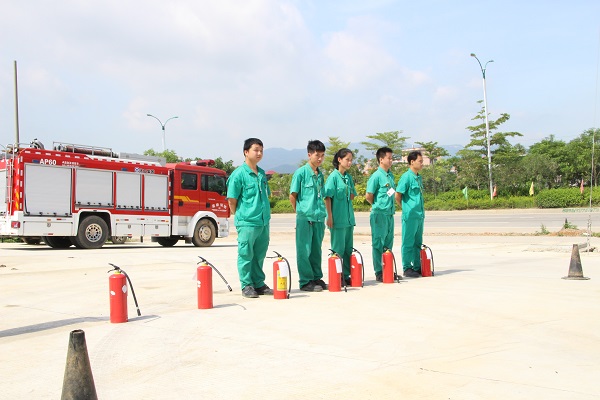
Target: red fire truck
{"type": "Point", "coordinates": [82, 195]}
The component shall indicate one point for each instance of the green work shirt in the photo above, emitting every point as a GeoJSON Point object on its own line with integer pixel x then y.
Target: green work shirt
{"type": "Point", "coordinates": [340, 188]}
{"type": "Point", "coordinates": [410, 186]}
{"type": "Point", "coordinates": [251, 191]}
{"type": "Point", "coordinates": [309, 187]}
{"type": "Point", "coordinates": [380, 184]}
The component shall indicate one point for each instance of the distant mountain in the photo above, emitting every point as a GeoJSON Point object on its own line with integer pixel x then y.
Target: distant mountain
{"type": "Point", "coordinates": [452, 148]}
{"type": "Point", "coordinates": [284, 161]}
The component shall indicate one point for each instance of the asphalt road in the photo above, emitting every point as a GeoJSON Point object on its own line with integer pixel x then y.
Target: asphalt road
{"type": "Point", "coordinates": [480, 221]}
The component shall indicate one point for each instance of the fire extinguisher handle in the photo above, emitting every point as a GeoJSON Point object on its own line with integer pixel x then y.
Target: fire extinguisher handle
{"type": "Point", "coordinates": [115, 268]}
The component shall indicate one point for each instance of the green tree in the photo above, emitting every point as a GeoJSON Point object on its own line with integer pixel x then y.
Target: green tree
{"type": "Point", "coordinates": [510, 176]}
{"type": "Point", "coordinates": [541, 168]}
{"type": "Point", "coordinates": [333, 146]}
{"type": "Point", "coordinates": [280, 185]}
{"type": "Point", "coordinates": [433, 152]}
{"type": "Point", "coordinates": [391, 139]}
{"type": "Point", "coordinates": [478, 133]}
{"type": "Point", "coordinates": [555, 150]}
{"type": "Point", "coordinates": [479, 139]}
{"type": "Point", "coordinates": [226, 166]}
{"type": "Point", "coordinates": [169, 155]}
{"type": "Point", "coordinates": [471, 169]}
{"type": "Point", "coordinates": [579, 154]}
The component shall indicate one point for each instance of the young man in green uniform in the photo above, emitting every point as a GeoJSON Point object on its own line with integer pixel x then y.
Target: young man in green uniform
{"type": "Point", "coordinates": [380, 194]}
{"type": "Point", "coordinates": [306, 196]}
{"type": "Point", "coordinates": [248, 196]}
{"type": "Point", "coordinates": [339, 193]}
{"type": "Point", "coordinates": [409, 195]}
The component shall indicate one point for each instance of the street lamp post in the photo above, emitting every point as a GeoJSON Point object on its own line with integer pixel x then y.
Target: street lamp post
{"type": "Point", "coordinates": [487, 124]}
{"type": "Point", "coordinates": [163, 128]}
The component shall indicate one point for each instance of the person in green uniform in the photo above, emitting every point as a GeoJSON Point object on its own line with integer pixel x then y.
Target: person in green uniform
{"type": "Point", "coordinates": [380, 194]}
{"type": "Point", "coordinates": [339, 193]}
{"type": "Point", "coordinates": [306, 196]}
{"type": "Point", "coordinates": [248, 196]}
{"type": "Point", "coordinates": [409, 195]}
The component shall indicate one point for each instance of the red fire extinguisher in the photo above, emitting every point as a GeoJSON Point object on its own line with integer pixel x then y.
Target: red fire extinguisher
{"type": "Point", "coordinates": [282, 277]}
{"type": "Point", "coordinates": [388, 263]}
{"type": "Point", "coordinates": [117, 289]}
{"type": "Point", "coordinates": [335, 264]}
{"type": "Point", "coordinates": [204, 283]}
{"type": "Point", "coordinates": [427, 267]}
{"type": "Point", "coordinates": [357, 269]}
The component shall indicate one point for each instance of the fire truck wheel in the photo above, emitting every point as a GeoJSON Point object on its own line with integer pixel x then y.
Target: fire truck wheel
{"type": "Point", "coordinates": [204, 234]}
{"type": "Point", "coordinates": [118, 239]}
{"type": "Point", "coordinates": [57, 242]}
{"type": "Point", "coordinates": [92, 233]}
{"type": "Point", "coordinates": [167, 241]}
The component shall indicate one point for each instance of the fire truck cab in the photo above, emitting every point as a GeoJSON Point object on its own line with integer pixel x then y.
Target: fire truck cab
{"type": "Point", "coordinates": [81, 195]}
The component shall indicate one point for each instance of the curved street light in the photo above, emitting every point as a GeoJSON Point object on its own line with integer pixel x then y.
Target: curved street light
{"type": "Point", "coordinates": [163, 128]}
{"type": "Point", "coordinates": [487, 124]}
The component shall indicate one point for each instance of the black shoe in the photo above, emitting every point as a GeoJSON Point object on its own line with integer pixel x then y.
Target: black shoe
{"type": "Point", "coordinates": [311, 287]}
{"type": "Point", "coordinates": [264, 290]}
{"type": "Point", "coordinates": [348, 281]}
{"type": "Point", "coordinates": [411, 273]}
{"type": "Point", "coordinates": [379, 277]}
{"type": "Point", "coordinates": [249, 292]}
{"type": "Point", "coordinates": [320, 283]}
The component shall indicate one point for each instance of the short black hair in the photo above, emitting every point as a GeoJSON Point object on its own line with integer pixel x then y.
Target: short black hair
{"type": "Point", "coordinates": [381, 152]}
{"type": "Point", "coordinates": [252, 141]}
{"type": "Point", "coordinates": [314, 146]}
{"type": "Point", "coordinates": [341, 153]}
{"type": "Point", "coordinates": [413, 155]}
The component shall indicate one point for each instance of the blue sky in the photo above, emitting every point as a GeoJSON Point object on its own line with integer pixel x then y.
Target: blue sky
{"type": "Point", "coordinates": [290, 71]}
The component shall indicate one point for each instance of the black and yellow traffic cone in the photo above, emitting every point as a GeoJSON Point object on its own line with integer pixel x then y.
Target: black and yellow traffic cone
{"type": "Point", "coordinates": [78, 382]}
{"type": "Point", "coordinates": [575, 271]}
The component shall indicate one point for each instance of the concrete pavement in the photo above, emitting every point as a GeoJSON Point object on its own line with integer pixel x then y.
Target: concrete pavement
{"type": "Point", "coordinates": [496, 322]}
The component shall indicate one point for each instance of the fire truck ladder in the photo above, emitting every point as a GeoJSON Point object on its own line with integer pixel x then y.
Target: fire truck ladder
{"type": "Point", "coordinates": [83, 149]}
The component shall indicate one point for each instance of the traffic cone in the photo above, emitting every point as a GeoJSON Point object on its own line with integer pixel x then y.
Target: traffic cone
{"type": "Point", "coordinates": [78, 382]}
{"type": "Point", "coordinates": [575, 271]}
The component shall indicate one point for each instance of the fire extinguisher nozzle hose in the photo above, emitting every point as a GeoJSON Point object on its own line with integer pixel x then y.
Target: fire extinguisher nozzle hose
{"type": "Point", "coordinates": [217, 271]}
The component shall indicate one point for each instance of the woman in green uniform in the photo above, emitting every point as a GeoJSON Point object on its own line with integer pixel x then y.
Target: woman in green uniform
{"type": "Point", "coordinates": [339, 193]}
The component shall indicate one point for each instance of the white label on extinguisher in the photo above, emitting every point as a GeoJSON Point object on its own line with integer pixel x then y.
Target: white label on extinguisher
{"type": "Point", "coordinates": [124, 288]}
{"type": "Point", "coordinates": [358, 259]}
{"type": "Point", "coordinates": [338, 265]}
{"type": "Point", "coordinates": [112, 293]}
{"type": "Point", "coordinates": [283, 269]}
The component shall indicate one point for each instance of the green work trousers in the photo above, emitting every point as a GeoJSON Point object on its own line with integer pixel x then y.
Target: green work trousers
{"type": "Point", "coordinates": [342, 242]}
{"type": "Point", "coordinates": [309, 238]}
{"type": "Point", "coordinates": [412, 239]}
{"type": "Point", "coordinates": [382, 236]}
{"type": "Point", "coordinates": [253, 242]}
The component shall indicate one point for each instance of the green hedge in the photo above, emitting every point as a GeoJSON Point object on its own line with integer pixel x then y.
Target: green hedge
{"type": "Point", "coordinates": [479, 200]}
{"type": "Point", "coordinates": [282, 207]}
{"type": "Point", "coordinates": [562, 198]}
